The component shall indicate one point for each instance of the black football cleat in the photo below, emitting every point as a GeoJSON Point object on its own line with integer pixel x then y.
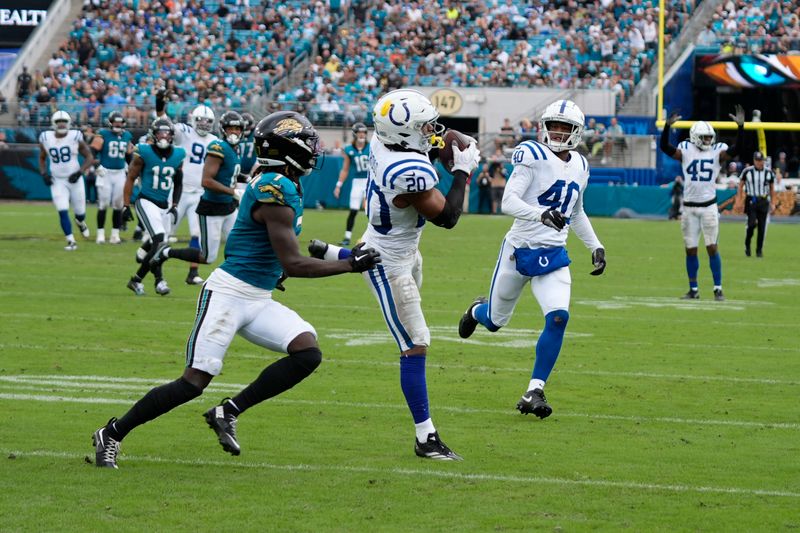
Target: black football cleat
{"type": "Point", "coordinates": [317, 248]}
{"type": "Point", "coordinates": [225, 428]}
{"type": "Point", "coordinates": [106, 449]}
{"type": "Point", "coordinates": [533, 402]}
{"type": "Point", "coordinates": [691, 295]}
{"type": "Point", "coordinates": [434, 448]}
{"type": "Point", "coordinates": [467, 324]}
{"type": "Point", "coordinates": [718, 296]}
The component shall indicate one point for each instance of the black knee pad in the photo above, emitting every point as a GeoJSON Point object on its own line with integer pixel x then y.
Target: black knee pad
{"type": "Point", "coordinates": [310, 358]}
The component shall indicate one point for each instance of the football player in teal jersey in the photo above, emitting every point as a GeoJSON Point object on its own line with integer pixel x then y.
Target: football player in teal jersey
{"type": "Point", "coordinates": [159, 168]}
{"type": "Point", "coordinates": [237, 297]}
{"type": "Point", "coordinates": [112, 147]}
{"type": "Point", "coordinates": [246, 146]}
{"type": "Point", "coordinates": [355, 167]}
{"type": "Point", "coordinates": [217, 207]}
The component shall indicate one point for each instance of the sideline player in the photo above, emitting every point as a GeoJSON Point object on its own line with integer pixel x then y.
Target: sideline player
{"type": "Point", "coordinates": [701, 159]}
{"type": "Point", "coordinates": [545, 196]}
{"type": "Point", "coordinates": [237, 298]}
{"type": "Point", "coordinates": [63, 173]}
{"type": "Point", "coordinates": [159, 165]}
{"type": "Point", "coordinates": [354, 167]}
{"type": "Point", "coordinates": [194, 138]}
{"type": "Point", "coordinates": [401, 197]}
{"type": "Point", "coordinates": [113, 147]}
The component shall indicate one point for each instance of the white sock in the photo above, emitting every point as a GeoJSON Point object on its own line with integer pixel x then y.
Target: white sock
{"type": "Point", "coordinates": [115, 232]}
{"type": "Point", "coordinates": [70, 238]}
{"type": "Point", "coordinates": [717, 287]}
{"type": "Point", "coordinates": [424, 429]}
{"type": "Point", "coordinates": [536, 384]}
{"type": "Point", "coordinates": [348, 235]}
{"type": "Point", "coordinates": [101, 233]}
{"type": "Point", "coordinates": [332, 253]}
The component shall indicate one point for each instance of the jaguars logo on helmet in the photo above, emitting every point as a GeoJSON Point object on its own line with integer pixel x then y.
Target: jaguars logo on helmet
{"type": "Point", "coordinates": [287, 138]}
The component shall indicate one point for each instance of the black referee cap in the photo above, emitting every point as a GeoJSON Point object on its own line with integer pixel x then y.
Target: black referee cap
{"type": "Point", "coordinates": [758, 156]}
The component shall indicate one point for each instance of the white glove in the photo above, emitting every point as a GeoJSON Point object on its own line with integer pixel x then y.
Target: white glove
{"type": "Point", "coordinates": [100, 171]}
{"type": "Point", "coordinates": [238, 193]}
{"type": "Point", "coordinates": [468, 160]}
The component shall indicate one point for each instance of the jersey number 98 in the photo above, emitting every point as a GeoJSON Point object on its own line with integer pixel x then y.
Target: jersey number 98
{"type": "Point", "coordinates": [60, 155]}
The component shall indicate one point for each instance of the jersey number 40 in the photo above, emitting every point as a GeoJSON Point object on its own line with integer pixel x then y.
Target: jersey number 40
{"type": "Point", "coordinates": [551, 198]}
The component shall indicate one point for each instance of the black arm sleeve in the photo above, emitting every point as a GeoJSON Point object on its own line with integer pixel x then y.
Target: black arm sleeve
{"type": "Point", "coordinates": [666, 147]}
{"type": "Point", "coordinates": [453, 202]}
{"type": "Point", "coordinates": [177, 187]}
{"type": "Point", "coordinates": [733, 151]}
{"type": "Point", "coordinates": [129, 157]}
{"type": "Point", "coordinates": [160, 104]}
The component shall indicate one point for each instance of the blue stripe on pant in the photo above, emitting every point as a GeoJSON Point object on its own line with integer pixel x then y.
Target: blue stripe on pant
{"type": "Point", "coordinates": [381, 285]}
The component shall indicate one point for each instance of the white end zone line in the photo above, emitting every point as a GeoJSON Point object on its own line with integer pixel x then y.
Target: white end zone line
{"type": "Point", "coordinates": [421, 473]}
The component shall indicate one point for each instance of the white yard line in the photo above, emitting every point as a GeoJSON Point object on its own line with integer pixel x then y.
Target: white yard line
{"type": "Point", "coordinates": [46, 394]}
{"type": "Point", "coordinates": [421, 473]}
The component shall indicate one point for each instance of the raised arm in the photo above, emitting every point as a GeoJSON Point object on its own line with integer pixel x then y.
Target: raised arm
{"type": "Point", "coordinates": [665, 145]}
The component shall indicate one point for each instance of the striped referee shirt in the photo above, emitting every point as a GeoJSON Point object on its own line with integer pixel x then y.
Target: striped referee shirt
{"type": "Point", "coordinates": [757, 182]}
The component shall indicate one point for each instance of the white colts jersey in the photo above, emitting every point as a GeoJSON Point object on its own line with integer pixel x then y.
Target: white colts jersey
{"type": "Point", "coordinates": [700, 171]}
{"type": "Point", "coordinates": [196, 147]}
{"type": "Point", "coordinates": [392, 230]}
{"type": "Point", "coordinates": [542, 181]}
{"type": "Point", "coordinates": [62, 152]}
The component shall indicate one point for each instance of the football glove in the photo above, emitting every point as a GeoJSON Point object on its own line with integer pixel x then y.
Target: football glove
{"type": "Point", "coordinates": [599, 262]}
{"type": "Point", "coordinates": [100, 171]}
{"type": "Point", "coordinates": [74, 177]}
{"type": "Point", "coordinates": [48, 179]}
{"type": "Point", "coordinates": [363, 259]}
{"type": "Point", "coordinates": [468, 160]}
{"type": "Point", "coordinates": [553, 218]}
{"type": "Point", "coordinates": [173, 211]}
{"type": "Point", "coordinates": [127, 215]}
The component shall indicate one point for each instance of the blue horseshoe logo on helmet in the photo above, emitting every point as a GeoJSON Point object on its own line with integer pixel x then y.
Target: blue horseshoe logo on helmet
{"type": "Point", "coordinates": [405, 120]}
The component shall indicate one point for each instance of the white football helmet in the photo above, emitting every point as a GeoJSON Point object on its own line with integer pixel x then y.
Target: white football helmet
{"type": "Point", "coordinates": [202, 120]}
{"type": "Point", "coordinates": [567, 112]}
{"type": "Point", "coordinates": [61, 122]}
{"type": "Point", "coordinates": [702, 135]}
{"type": "Point", "coordinates": [408, 119]}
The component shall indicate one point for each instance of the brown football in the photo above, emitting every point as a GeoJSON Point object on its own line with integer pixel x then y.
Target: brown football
{"type": "Point", "coordinates": [446, 153]}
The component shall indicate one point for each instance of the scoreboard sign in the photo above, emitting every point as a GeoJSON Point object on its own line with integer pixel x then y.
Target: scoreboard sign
{"type": "Point", "coordinates": [19, 18]}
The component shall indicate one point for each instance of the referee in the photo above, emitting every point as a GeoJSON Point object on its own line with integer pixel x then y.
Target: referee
{"type": "Point", "coordinates": [758, 185]}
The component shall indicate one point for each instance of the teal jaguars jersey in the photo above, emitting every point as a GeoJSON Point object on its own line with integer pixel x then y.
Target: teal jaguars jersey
{"type": "Point", "coordinates": [247, 153]}
{"type": "Point", "coordinates": [359, 162]}
{"type": "Point", "coordinates": [248, 253]}
{"type": "Point", "coordinates": [112, 154]}
{"type": "Point", "coordinates": [228, 170]}
{"type": "Point", "coordinates": [158, 173]}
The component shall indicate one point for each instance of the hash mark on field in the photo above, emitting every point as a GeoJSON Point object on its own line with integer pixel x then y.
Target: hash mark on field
{"type": "Point", "coordinates": [627, 302]}
{"type": "Point", "coordinates": [46, 386]}
{"type": "Point", "coordinates": [422, 473]}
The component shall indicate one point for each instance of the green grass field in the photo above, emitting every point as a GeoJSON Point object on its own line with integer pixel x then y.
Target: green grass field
{"type": "Point", "coordinates": [668, 415]}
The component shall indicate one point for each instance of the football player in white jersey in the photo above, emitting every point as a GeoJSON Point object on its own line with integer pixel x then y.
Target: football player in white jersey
{"type": "Point", "coordinates": [545, 195]}
{"type": "Point", "coordinates": [63, 173]}
{"type": "Point", "coordinates": [193, 137]}
{"type": "Point", "coordinates": [401, 197]}
{"type": "Point", "coordinates": [701, 159]}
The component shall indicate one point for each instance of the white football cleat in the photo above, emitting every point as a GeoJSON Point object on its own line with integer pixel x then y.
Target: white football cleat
{"type": "Point", "coordinates": [101, 238]}
{"type": "Point", "coordinates": [162, 288]}
{"type": "Point", "coordinates": [114, 239]}
{"type": "Point", "coordinates": [71, 246]}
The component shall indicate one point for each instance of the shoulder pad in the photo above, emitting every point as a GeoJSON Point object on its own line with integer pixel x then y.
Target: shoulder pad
{"type": "Point", "coordinates": [215, 148]}
{"type": "Point", "coordinates": [273, 188]}
{"type": "Point", "coordinates": [528, 153]}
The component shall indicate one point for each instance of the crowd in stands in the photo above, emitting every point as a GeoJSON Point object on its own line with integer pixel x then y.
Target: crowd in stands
{"type": "Point", "coordinates": [226, 55]}
{"type": "Point", "coordinates": [753, 26]}
{"type": "Point", "coordinates": [607, 44]}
